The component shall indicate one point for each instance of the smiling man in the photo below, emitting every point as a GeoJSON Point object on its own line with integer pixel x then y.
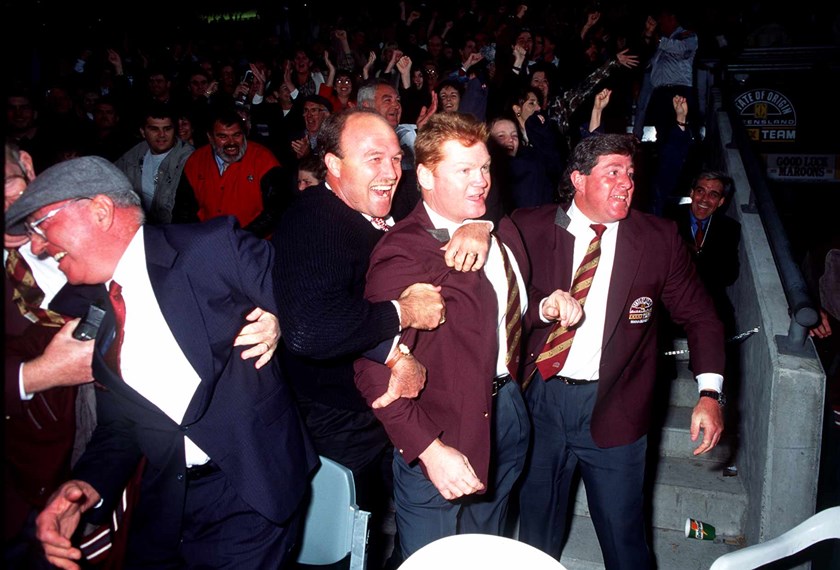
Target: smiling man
{"type": "Point", "coordinates": [592, 387]}
{"type": "Point", "coordinates": [154, 165]}
{"type": "Point", "coordinates": [323, 242]}
{"type": "Point", "coordinates": [460, 446]}
{"type": "Point", "coordinates": [217, 432]}
{"type": "Point", "coordinates": [713, 238]}
{"type": "Point", "coordinates": [229, 176]}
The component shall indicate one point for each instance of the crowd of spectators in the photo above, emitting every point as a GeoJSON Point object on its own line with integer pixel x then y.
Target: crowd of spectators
{"type": "Point", "coordinates": [172, 97]}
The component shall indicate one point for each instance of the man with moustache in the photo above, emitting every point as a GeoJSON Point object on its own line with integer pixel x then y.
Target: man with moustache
{"type": "Point", "coordinates": [591, 386]}
{"type": "Point", "coordinates": [229, 176]}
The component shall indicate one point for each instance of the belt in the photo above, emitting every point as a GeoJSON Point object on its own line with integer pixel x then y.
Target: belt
{"type": "Point", "coordinates": [573, 381]}
{"type": "Point", "coordinates": [499, 382]}
{"type": "Point", "coordinates": [199, 471]}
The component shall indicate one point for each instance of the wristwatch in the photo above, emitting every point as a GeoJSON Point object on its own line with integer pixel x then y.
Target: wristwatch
{"type": "Point", "coordinates": [719, 396]}
{"type": "Point", "coordinates": [402, 350]}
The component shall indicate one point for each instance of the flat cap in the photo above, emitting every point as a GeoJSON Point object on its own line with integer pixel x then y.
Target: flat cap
{"type": "Point", "coordinates": [83, 177]}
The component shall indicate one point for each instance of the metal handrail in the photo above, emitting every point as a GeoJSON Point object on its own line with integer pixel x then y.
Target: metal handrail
{"type": "Point", "coordinates": [804, 312]}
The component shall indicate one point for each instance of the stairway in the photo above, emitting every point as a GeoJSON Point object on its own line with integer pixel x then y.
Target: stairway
{"type": "Point", "coordinates": [684, 486]}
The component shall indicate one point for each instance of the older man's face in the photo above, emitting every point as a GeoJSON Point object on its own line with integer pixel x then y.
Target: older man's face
{"type": "Point", "coordinates": [706, 197]}
{"type": "Point", "coordinates": [67, 232]}
{"type": "Point", "coordinates": [228, 142]}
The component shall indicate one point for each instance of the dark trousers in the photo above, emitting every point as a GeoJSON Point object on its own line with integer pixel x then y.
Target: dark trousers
{"type": "Point", "coordinates": [220, 530]}
{"type": "Point", "coordinates": [423, 515]}
{"type": "Point", "coordinates": [613, 478]}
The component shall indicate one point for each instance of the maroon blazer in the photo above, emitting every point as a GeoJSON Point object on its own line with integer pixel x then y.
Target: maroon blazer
{"type": "Point", "coordinates": [652, 270]}
{"type": "Point", "coordinates": [460, 356]}
{"type": "Point", "coordinates": [39, 433]}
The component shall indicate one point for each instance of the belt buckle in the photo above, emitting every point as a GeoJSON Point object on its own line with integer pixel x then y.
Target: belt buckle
{"type": "Point", "coordinates": [499, 383]}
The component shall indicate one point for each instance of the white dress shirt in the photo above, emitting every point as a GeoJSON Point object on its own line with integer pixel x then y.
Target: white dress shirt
{"type": "Point", "coordinates": [152, 362]}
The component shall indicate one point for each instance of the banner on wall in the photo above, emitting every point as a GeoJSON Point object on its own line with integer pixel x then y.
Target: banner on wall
{"type": "Point", "coordinates": [768, 115]}
{"type": "Point", "coordinates": [801, 167]}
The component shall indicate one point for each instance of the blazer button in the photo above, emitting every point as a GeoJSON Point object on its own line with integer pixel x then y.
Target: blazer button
{"type": "Point", "coordinates": [401, 451]}
{"type": "Point", "coordinates": [180, 476]}
{"type": "Point", "coordinates": [185, 428]}
{"type": "Point", "coordinates": [486, 414]}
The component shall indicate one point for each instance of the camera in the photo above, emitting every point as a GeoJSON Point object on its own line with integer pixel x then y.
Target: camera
{"type": "Point", "coordinates": [248, 78]}
{"type": "Point", "coordinates": [89, 326]}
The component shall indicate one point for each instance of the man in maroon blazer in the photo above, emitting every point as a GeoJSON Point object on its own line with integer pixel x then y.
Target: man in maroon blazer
{"type": "Point", "coordinates": [460, 446]}
{"type": "Point", "coordinates": [593, 410]}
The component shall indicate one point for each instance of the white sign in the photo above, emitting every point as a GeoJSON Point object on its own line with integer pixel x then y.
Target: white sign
{"type": "Point", "coordinates": [801, 166]}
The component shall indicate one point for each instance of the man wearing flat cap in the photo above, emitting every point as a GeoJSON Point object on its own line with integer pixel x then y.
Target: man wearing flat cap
{"type": "Point", "coordinates": [227, 457]}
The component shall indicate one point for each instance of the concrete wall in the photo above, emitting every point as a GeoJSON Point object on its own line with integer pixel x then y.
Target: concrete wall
{"type": "Point", "coordinates": [780, 396]}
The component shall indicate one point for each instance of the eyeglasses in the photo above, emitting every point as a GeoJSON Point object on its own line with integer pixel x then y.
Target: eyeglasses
{"type": "Point", "coordinates": [32, 227]}
{"type": "Point", "coordinates": [12, 177]}
{"type": "Point", "coordinates": [713, 194]}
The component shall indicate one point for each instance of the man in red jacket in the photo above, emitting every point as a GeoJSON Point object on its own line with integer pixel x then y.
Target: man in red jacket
{"type": "Point", "coordinates": [229, 176]}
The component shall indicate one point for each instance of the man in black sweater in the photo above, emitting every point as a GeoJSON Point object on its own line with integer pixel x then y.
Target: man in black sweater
{"type": "Point", "coordinates": [323, 242]}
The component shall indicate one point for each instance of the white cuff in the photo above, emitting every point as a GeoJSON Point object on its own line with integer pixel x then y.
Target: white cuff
{"type": "Point", "coordinates": [399, 315]}
{"type": "Point", "coordinates": [710, 381]}
{"type": "Point", "coordinates": [23, 395]}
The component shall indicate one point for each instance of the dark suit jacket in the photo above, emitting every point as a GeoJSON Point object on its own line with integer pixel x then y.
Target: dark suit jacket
{"type": "Point", "coordinates": [206, 278]}
{"type": "Point", "coordinates": [652, 267]}
{"type": "Point", "coordinates": [460, 356]}
{"type": "Point", "coordinates": [717, 262]}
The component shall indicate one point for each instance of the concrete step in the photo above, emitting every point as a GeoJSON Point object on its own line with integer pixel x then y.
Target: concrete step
{"type": "Point", "coordinates": [688, 488]}
{"type": "Point", "coordinates": [683, 388]}
{"type": "Point", "coordinates": [676, 439]}
{"type": "Point", "coordinates": [671, 549]}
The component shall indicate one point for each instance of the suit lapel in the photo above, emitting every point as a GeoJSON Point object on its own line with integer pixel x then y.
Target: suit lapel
{"type": "Point", "coordinates": [175, 296]}
{"type": "Point", "coordinates": [628, 256]}
{"type": "Point", "coordinates": [563, 248]}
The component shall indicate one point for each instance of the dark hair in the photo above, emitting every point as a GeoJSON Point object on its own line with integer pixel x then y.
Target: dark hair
{"type": "Point", "coordinates": [721, 177]}
{"type": "Point", "coordinates": [226, 114]}
{"type": "Point", "coordinates": [314, 163]}
{"type": "Point", "coordinates": [448, 82]}
{"type": "Point", "coordinates": [587, 152]}
{"type": "Point", "coordinates": [159, 110]}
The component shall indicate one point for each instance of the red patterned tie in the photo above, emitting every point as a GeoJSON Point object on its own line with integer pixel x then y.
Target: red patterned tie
{"type": "Point", "coordinates": [380, 223]}
{"type": "Point", "coordinates": [513, 316]}
{"type": "Point", "coordinates": [556, 349]}
{"type": "Point", "coordinates": [26, 294]}
{"type": "Point", "coordinates": [112, 357]}
{"type": "Point", "coordinates": [699, 235]}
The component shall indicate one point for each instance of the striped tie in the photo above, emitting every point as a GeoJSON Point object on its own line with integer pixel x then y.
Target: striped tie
{"type": "Point", "coordinates": [513, 316]}
{"type": "Point", "coordinates": [26, 293]}
{"type": "Point", "coordinates": [556, 349]}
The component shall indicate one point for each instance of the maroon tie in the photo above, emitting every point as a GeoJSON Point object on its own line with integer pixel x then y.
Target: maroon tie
{"type": "Point", "coordinates": [556, 349]}
{"type": "Point", "coordinates": [513, 316]}
{"type": "Point", "coordinates": [26, 293]}
{"type": "Point", "coordinates": [109, 540]}
{"type": "Point", "coordinates": [380, 223]}
{"type": "Point", "coordinates": [699, 235]}
{"type": "Point", "coordinates": [112, 357]}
